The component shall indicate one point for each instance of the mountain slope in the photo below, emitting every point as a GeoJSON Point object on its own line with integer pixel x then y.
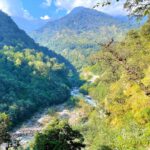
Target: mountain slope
{"type": "Point", "coordinates": [31, 76]}
{"type": "Point", "coordinates": [11, 35]}
{"type": "Point", "coordinates": [82, 19]}
{"type": "Point", "coordinates": [122, 91]}
{"type": "Point", "coordinates": [79, 33]}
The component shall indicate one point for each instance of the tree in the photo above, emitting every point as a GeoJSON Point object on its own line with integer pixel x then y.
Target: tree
{"type": "Point", "coordinates": [4, 122]}
{"type": "Point", "coordinates": [138, 7]}
{"type": "Point", "coordinates": [134, 7]}
{"type": "Point", "coordinates": [59, 136]}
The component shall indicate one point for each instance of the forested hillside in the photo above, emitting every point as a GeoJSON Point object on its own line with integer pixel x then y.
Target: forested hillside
{"type": "Point", "coordinates": [11, 35]}
{"type": "Point", "coordinates": [28, 81]}
{"type": "Point", "coordinates": [30, 75]}
{"type": "Point", "coordinates": [80, 32]}
{"type": "Point", "coordinates": [46, 105]}
{"type": "Point", "coordinates": [122, 89]}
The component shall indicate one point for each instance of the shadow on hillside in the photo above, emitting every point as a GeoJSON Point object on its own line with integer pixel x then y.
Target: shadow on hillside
{"type": "Point", "coordinates": [75, 79]}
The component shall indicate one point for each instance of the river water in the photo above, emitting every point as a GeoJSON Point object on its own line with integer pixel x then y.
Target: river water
{"type": "Point", "coordinates": [88, 99]}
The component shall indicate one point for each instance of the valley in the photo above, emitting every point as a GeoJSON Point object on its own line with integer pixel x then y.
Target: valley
{"type": "Point", "coordinates": [81, 81]}
{"type": "Point", "coordinates": [26, 131]}
{"type": "Point", "coordinates": [88, 28]}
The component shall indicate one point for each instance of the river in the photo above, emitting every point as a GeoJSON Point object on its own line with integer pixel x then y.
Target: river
{"type": "Point", "coordinates": [88, 99]}
{"type": "Point", "coordinates": [26, 131]}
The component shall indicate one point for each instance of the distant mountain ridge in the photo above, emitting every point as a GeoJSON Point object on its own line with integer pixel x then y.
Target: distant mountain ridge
{"type": "Point", "coordinates": [82, 18]}
{"type": "Point", "coordinates": [76, 35]}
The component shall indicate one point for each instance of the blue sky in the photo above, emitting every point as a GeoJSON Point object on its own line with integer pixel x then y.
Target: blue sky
{"type": "Point", "coordinates": [52, 9]}
{"type": "Point", "coordinates": [43, 9]}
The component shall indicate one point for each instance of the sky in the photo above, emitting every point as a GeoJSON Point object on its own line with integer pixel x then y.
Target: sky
{"type": "Point", "coordinates": [53, 9]}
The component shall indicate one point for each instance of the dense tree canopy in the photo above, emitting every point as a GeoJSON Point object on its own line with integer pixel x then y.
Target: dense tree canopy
{"type": "Point", "coordinates": [122, 90]}
{"type": "Point", "coordinates": [4, 123]}
{"type": "Point", "coordinates": [29, 80]}
{"type": "Point", "coordinates": [58, 136]}
{"type": "Point", "coordinates": [31, 76]}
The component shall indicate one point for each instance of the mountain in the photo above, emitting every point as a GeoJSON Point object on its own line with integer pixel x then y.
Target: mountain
{"type": "Point", "coordinates": [119, 80]}
{"type": "Point", "coordinates": [31, 76]}
{"type": "Point", "coordinates": [82, 19]}
{"type": "Point", "coordinates": [79, 33]}
{"type": "Point", "coordinates": [11, 35]}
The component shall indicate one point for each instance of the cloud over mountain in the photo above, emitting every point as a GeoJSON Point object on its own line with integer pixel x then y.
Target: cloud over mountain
{"type": "Point", "coordinates": [116, 8]}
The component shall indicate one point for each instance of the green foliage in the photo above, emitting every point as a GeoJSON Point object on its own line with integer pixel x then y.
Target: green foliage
{"type": "Point", "coordinates": [122, 91]}
{"type": "Point", "coordinates": [58, 136]}
{"type": "Point", "coordinates": [11, 35]}
{"type": "Point", "coordinates": [51, 111]}
{"type": "Point", "coordinates": [4, 123]}
{"type": "Point", "coordinates": [87, 28]}
{"type": "Point", "coordinates": [29, 80]}
{"type": "Point", "coordinates": [31, 77]}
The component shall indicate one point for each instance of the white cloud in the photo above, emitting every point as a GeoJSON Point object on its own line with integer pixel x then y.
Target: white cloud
{"type": "Point", "coordinates": [14, 8]}
{"type": "Point", "coordinates": [116, 8]}
{"type": "Point", "coordinates": [47, 3]}
{"type": "Point", "coordinates": [46, 17]}
{"type": "Point", "coordinates": [70, 4]}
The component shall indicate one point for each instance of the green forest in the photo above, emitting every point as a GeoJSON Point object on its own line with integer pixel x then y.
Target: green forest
{"type": "Point", "coordinates": [85, 84]}
{"type": "Point", "coordinates": [122, 91]}
{"type": "Point", "coordinates": [87, 28]}
{"type": "Point", "coordinates": [31, 77]}
{"type": "Point", "coordinates": [28, 81]}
